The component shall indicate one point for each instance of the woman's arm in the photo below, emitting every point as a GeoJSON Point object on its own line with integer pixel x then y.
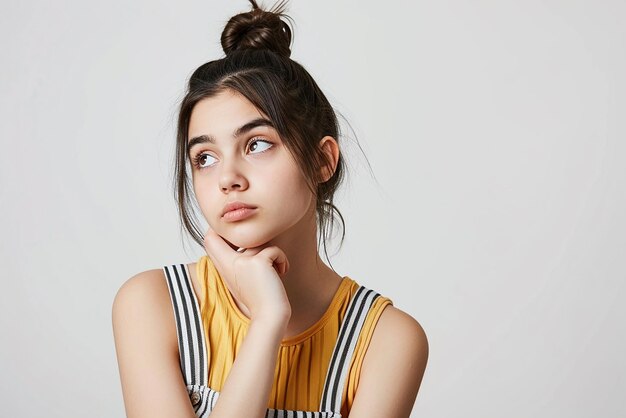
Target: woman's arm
{"type": "Point", "coordinates": [147, 351]}
{"type": "Point", "coordinates": [392, 369]}
{"type": "Point", "coordinates": [247, 388]}
{"type": "Point", "coordinates": [146, 345]}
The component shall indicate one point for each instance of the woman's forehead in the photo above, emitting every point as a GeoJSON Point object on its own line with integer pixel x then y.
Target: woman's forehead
{"type": "Point", "coordinates": [222, 114]}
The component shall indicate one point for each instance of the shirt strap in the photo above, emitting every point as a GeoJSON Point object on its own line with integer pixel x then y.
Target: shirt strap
{"type": "Point", "coordinates": [349, 332]}
{"type": "Point", "coordinates": [191, 343]}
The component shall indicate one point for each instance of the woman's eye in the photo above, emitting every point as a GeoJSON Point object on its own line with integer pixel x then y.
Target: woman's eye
{"type": "Point", "coordinates": [259, 145]}
{"type": "Point", "coordinates": [204, 160]}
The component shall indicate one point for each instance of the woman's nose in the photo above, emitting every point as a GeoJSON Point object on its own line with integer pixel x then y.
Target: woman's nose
{"type": "Point", "coordinates": [231, 178]}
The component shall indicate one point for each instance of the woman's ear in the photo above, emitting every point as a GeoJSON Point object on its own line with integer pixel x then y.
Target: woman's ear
{"type": "Point", "coordinates": [330, 148]}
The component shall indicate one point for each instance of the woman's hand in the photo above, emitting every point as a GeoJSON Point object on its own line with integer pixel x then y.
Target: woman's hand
{"type": "Point", "coordinates": [252, 276]}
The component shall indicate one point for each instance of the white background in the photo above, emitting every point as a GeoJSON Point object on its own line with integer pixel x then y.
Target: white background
{"type": "Point", "coordinates": [496, 134]}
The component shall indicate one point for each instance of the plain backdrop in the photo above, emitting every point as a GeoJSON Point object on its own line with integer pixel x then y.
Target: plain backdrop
{"type": "Point", "coordinates": [495, 131]}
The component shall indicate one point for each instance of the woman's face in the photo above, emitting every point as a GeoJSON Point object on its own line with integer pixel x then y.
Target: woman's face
{"type": "Point", "coordinates": [242, 159]}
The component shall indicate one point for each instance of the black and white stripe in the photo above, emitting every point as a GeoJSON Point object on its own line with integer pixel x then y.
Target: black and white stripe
{"type": "Point", "coordinates": [191, 342]}
{"type": "Point", "coordinates": [286, 413]}
{"type": "Point", "coordinates": [349, 333]}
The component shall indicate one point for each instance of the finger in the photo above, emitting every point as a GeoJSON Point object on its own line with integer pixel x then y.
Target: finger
{"type": "Point", "coordinates": [217, 247]}
{"type": "Point", "coordinates": [277, 257]}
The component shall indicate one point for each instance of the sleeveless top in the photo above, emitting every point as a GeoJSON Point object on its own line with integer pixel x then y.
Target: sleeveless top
{"type": "Point", "coordinates": [317, 371]}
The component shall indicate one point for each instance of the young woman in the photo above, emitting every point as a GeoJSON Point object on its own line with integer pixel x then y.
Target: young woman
{"type": "Point", "coordinates": [261, 326]}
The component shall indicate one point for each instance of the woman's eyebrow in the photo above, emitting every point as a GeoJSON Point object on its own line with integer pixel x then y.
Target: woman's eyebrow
{"type": "Point", "coordinates": [201, 139]}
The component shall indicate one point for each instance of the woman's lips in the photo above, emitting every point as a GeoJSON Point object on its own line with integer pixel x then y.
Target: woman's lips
{"type": "Point", "coordinates": [238, 214]}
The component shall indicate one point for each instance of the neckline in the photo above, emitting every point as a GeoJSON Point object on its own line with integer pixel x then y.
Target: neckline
{"type": "Point", "coordinates": [293, 340]}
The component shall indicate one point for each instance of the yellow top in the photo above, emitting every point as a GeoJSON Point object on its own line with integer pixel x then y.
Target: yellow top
{"type": "Point", "coordinates": [302, 361]}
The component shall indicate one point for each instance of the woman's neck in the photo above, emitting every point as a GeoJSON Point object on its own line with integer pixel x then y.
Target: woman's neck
{"type": "Point", "coordinates": [309, 283]}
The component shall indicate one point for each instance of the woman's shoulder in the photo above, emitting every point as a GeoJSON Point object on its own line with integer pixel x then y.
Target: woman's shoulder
{"type": "Point", "coordinates": [146, 292]}
{"type": "Point", "coordinates": [144, 285]}
{"type": "Point", "coordinates": [142, 306]}
{"type": "Point", "coordinates": [151, 286]}
{"type": "Point", "coordinates": [399, 332]}
{"type": "Point", "coordinates": [392, 325]}
{"type": "Point", "coordinates": [394, 321]}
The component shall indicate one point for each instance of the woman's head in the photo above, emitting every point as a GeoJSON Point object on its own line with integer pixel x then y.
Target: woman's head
{"type": "Point", "coordinates": [257, 77]}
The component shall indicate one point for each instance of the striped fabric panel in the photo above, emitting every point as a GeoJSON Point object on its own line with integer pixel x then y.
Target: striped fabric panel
{"type": "Point", "coordinates": [344, 348]}
{"type": "Point", "coordinates": [198, 336]}
{"type": "Point", "coordinates": [188, 325]}
{"type": "Point", "coordinates": [209, 398]}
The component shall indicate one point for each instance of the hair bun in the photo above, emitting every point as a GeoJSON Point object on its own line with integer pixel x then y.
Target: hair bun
{"type": "Point", "coordinates": [258, 29]}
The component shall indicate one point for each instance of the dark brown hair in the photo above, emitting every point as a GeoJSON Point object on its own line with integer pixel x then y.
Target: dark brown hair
{"type": "Point", "coordinates": [258, 66]}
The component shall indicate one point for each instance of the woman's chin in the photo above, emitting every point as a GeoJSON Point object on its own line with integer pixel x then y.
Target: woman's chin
{"type": "Point", "coordinates": [244, 242]}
